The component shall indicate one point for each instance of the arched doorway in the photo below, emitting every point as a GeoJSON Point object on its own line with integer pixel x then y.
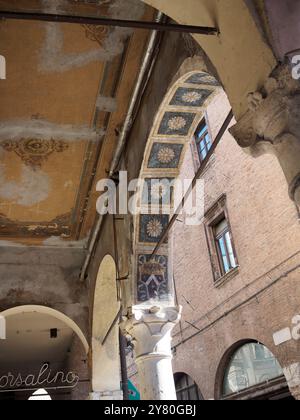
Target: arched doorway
{"type": "Point", "coordinates": [106, 381]}
{"type": "Point", "coordinates": [252, 372]}
{"type": "Point", "coordinates": [44, 350]}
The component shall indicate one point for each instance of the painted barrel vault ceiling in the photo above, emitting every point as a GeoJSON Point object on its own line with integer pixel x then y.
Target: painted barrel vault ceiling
{"type": "Point", "coordinates": [65, 97]}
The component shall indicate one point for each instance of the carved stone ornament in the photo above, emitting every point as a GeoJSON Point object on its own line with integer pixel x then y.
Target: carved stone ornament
{"type": "Point", "coordinates": [150, 329]}
{"type": "Point", "coordinates": [34, 151]}
{"type": "Point", "coordinates": [272, 124]}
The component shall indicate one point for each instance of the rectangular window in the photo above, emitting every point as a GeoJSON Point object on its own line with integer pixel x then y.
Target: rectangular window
{"type": "Point", "coordinates": [203, 140]}
{"type": "Point", "coordinates": [220, 241]}
{"type": "Point", "coordinates": [224, 246]}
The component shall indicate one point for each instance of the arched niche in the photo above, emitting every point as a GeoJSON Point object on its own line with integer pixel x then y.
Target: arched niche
{"type": "Point", "coordinates": [105, 337]}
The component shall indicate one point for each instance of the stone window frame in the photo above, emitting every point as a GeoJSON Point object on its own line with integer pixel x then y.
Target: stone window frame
{"type": "Point", "coordinates": [215, 214]}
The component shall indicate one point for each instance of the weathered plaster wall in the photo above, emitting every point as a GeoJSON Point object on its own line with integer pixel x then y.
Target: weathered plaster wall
{"type": "Point", "coordinates": [77, 362]}
{"type": "Point", "coordinates": [284, 21]}
{"type": "Point", "coordinates": [53, 57]}
{"type": "Point", "coordinates": [44, 276]}
{"type": "Point", "coordinates": [241, 56]}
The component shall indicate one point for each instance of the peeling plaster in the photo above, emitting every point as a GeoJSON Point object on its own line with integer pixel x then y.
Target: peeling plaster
{"type": "Point", "coordinates": [55, 241]}
{"type": "Point", "coordinates": [52, 57]}
{"type": "Point", "coordinates": [41, 129]}
{"type": "Point", "coordinates": [33, 187]}
{"type": "Point", "coordinates": [11, 244]}
{"type": "Point", "coordinates": [52, 6]}
{"type": "Point", "coordinates": [106, 104]}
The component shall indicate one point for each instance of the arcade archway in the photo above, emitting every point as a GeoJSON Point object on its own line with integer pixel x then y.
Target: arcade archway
{"type": "Point", "coordinates": [43, 349]}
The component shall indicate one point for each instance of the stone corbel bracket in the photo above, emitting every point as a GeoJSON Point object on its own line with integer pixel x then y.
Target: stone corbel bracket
{"type": "Point", "coordinates": [272, 125]}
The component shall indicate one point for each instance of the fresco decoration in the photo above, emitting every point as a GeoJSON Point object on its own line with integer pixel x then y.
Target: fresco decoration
{"type": "Point", "coordinates": [190, 97]}
{"type": "Point", "coordinates": [176, 123]}
{"type": "Point", "coordinates": [96, 33]}
{"type": "Point", "coordinates": [60, 226]}
{"type": "Point", "coordinates": [165, 156]}
{"type": "Point", "coordinates": [158, 191]}
{"type": "Point", "coordinates": [182, 109]}
{"type": "Point", "coordinates": [152, 227]}
{"type": "Point", "coordinates": [152, 278]}
{"type": "Point", "coordinates": [34, 152]}
{"type": "Point", "coordinates": [96, 2]}
{"type": "Point", "coordinates": [202, 79]}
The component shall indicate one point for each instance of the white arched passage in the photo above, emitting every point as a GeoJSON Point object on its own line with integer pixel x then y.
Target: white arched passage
{"type": "Point", "coordinates": [50, 312]}
{"type": "Point", "coordinates": [42, 348]}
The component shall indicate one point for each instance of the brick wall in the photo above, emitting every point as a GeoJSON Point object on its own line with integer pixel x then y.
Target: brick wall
{"type": "Point", "coordinates": [263, 297]}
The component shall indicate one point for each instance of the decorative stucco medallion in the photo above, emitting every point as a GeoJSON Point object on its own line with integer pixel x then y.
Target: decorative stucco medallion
{"type": "Point", "coordinates": [34, 151]}
{"type": "Point", "coordinates": [165, 155]}
{"type": "Point", "coordinates": [96, 33]}
{"type": "Point", "coordinates": [190, 97]}
{"type": "Point", "coordinates": [176, 123]}
{"type": "Point", "coordinates": [202, 79]}
{"type": "Point", "coordinates": [152, 227]}
{"type": "Point", "coordinates": [152, 277]}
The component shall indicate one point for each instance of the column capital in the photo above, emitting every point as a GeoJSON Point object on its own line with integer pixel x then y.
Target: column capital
{"type": "Point", "coordinates": [272, 124]}
{"type": "Point", "coordinates": [151, 328]}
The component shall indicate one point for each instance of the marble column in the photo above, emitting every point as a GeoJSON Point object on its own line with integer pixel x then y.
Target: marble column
{"type": "Point", "coordinates": [150, 330]}
{"type": "Point", "coordinates": [272, 125]}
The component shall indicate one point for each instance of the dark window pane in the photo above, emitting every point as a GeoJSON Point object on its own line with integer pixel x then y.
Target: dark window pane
{"type": "Point", "coordinates": [202, 130]}
{"type": "Point", "coordinates": [203, 140]}
{"type": "Point", "coordinates": [186, 388]}
{"type": "Point", "coordinates": [193, 394]}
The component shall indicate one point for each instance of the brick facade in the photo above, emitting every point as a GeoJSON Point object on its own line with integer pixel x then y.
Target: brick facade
{"type": "Point", "coordinates": [261, 298]}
